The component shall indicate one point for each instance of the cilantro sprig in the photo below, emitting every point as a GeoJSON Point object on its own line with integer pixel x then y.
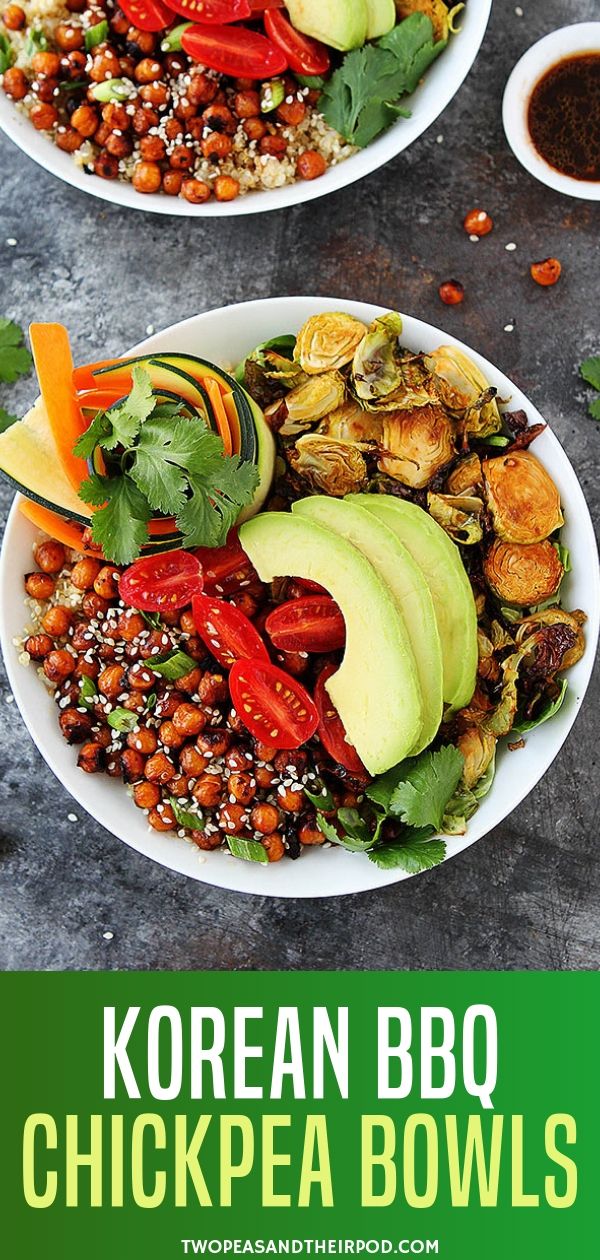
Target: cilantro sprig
{"type": "Point", "coordinates": [414, 796]}
{"type": "Point", "coordinates": [158, 460]}
{"type": "Point", "coordinates": [361, 98]}
{"type": "Point", "coordinates": [15, 358]}
{"type": "Point", "coordinates": [590, 371]}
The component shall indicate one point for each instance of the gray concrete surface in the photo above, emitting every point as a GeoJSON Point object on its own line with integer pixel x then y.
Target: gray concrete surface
{"type": "Point", "coordinates": [528, 896]}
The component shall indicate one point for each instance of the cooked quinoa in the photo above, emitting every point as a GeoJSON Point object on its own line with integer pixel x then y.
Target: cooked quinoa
{"type": "Point", "coordinates": [181, 129]}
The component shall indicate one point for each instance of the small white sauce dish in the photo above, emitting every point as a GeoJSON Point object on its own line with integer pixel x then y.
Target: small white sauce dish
{"type": "Point", "coordinates": [569, 41]}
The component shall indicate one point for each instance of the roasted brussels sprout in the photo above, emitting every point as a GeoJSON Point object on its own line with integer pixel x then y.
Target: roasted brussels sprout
{"type": "Point", "coordinates": [459, 515]}
{"type": "Point", "coordinates": [464, 390]}
{"type": "Point", "coordinates": [313, 399]}
{"type": "Point", "coordinates": [441, 17]}
{"type": "Point", "coordinates": [487, 666]}
{"type": "Point", "coordinates": [376, 369]}
{"type": "Point", "coordinates": [523, 574]}
{"type": "Point", "coordinates": [572, 621]}
{"type": "Point", "coordinates": [350, 423]}
{"type": "Point", "coordinates": [337, 468]}
{"type": "Point", "coordinates": [417, 444]}
{"type": "Point", "coordinates": [522, 497]}
{"type": "Point", "coordinates": [501, 720]}
{"type": "Point", "coordinates": [327, 341]}
{"type": "Point", "coordinates": [478, 748]}
{"type": "Point", "coordinates": [466, 477]}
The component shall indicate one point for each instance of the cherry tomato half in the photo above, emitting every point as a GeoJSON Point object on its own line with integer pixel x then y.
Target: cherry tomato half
{"type": "Point", "coordinates": [225, 568]}
{"type": "Point", "coordinates": [234, 50]}
{"type": "Point", "coordinates": [304, 55]}
{"type": "Point", "coordinates": [147, 15]}
{"type": "Point", "coordinates": [331, 728]}
{"type": "Point", "coordinates": [312, 624]}
{"type": "Point", "coordinates": [308, 585]}
{"type": "Point", "coordinates": [161, 583]}
{"type": "Point", "coordinates": [259, 6]}
{"type": "Point", "coordinates": [212, 11]}
{"type": "Point", "coordinates": [227, 632]}
{"type": "Point", "coordinates": [274, 707]}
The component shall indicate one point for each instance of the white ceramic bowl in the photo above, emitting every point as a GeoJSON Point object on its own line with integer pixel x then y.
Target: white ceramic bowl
{"type": "Point", "coordinates": [227, 334]}
{"type": "Point", "coordinates": [440, 84]}
{"type": "Point", "coordinates": [584, 37]}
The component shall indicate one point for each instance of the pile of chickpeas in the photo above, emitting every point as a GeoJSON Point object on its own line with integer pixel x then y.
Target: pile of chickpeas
{"type": "Point", "coordinates": [188, 743]}
{"type": "Point", "coordinates": [198, 121]}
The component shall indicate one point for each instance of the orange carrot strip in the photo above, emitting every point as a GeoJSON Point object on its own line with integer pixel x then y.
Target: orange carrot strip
{"type": "Point", "coordinates": [234, 421]}
{"type": "Point", "coordinates": [54, 367]}
{"type": "Point", "coordinates": [83, 377]}
{"type": "Point", "coordinates": [66, 532]}
{"type": "Point", "coordinates": [220, 414]}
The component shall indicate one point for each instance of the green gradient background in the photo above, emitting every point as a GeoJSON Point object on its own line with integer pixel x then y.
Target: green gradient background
{"type": "Point", "coordinates": [549, 1026]}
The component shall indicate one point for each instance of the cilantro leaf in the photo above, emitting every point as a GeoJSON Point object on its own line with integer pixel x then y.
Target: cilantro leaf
{"type": "Point", "coordinates": [427, 785]}
{"type": "Point", "coordinates": [6, 420]}
{"type": "Point", "coordinates": [590, 371]}
{"type": "Point", "coordinates": [15, 359]}
{"type": "Point", "coordinates": [413, 47]}
{"type": "Point", "coordinates": [94, 435]}
{"type": "Point", "coordinates": [218, 493]}
{"type": "Point", "coordinates": [416, 853]}
{"type": "Point", "coordinates": [7, 53]}
{"type": "Point", "coordinates": [120, 426]}
{"type": "Point", "coordinates": [594, 409]}
{"type": "Point", "coordinates": [120, 526]}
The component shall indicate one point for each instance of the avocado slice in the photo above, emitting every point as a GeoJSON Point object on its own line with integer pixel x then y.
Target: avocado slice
{"type": "Point", "coordinates": [375, 690]}
{"type": "Point", "coordinates": [443, 570]}
{"type": "Point", "coordinates": [404, 579]}
{"type": "Point", "coordinates": [339, 23]}
{"type": "Point", "coordinates": [381, 18]}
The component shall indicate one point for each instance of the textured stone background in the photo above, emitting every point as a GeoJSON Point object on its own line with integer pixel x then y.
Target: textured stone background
{"type": "Point", "coordinates": [528, 896]}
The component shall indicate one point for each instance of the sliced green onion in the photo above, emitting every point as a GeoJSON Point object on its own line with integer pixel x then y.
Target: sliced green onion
{"type": "Point", "coordinates": [151, 701]}
{"type": "Point", "coordinates": [122, 720]}
{"type": "Point", "coordinates": [96, 35]}
{"type": "Point", "coordinates": [187, 817]}
{"type": "Point", "coordinates": [171, 665]}
{"type": "Point", "coordinates": [497, 440]}
{"type": "Point", "coordinates": [322, 800]}
{"type": "Point", "coordinates": [87, 692]}
{"type": "Point", "coordinates": [113, 90]}
{"type": "Point", "coordinates": [36, 42]}
{"type": "Point", "coordinates": [311, 81]}
{"type": "Point", "coordinates": [172, 41]}
{"type": "Point", "coordinates": [72, 85]}
{"type": "Point", "coordinates": [249, 850]}
{"type": "Point", "coordinates": [7, 53]}
{"type": "Point", "coordinates": [272, 93]}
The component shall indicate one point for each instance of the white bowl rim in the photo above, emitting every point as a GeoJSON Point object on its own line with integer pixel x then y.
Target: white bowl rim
{"type": "Point", "coordinates": [319, 873]}
{"type": "Point", "coordinates": [568, 41]}
{"type": "Point", "coordinates": [428, 103]}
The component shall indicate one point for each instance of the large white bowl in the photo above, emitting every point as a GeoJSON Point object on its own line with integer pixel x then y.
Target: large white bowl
{"type": "Point", "coordinates": [440, 84]}
{"type": "Point", "coordinates": [226, 335]}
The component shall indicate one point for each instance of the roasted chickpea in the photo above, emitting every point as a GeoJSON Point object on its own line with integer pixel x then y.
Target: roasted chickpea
{"type": "Point", "coordinates": [172, 182]}
{"type": "Point", "coordinates": [201, 89]}
{"type": "Point", "coordinates": [289, 800]}
{"type": "Point", "coordinates": [274, 845]}
{"type": "Point", "coordinates": [15, 84]}
{"type": "Point", "coordinates": [69, 38]}
{"type": "Point", "coordinates": [217, 145]}
{"type": "Point", "coordinates": [142, 42]}
{"type": "Point", "coordinates": [84, 573]}
{"type": "Point", "coordinates": [68, 139]}
{"type": "Point", "coordinates": [242, 786]}
{"type": "Point", "coordinates": [247, 104]}
{"type": "Point", "coordinates": [255, 128]}
{"type": "Point", "coordinates": [57, 620]}
{"type": "Point", "coordinates": [105, 65]}
{"type": "Point", "coordinates": [213, 742]}
{"type": "Point", "coordinates": [188, 719]}
{"type": "Point", "coordinates": [130, 625]}
{"type": "Point", "coordinates": [143, 119]}
{"type": "Point", "coordinates": [195, 191]}
{"type": "Point", "coordinates": [106, 166]}
{"type": "Point", "coordinates": [264, 777]}
{"type": "Point", "coordinates": [291, 763]}
{"type": "Point", "coordinates": [85, 668]}
{"type": "Point", "coordinates": [265, 818]}
{"type": "Point", "coordinates": [190, 683]}
{"type": "Point", "coordinates": [91, 757]}
{"type": "Point", "coordinates": [148, 70]}
{"type": "Point", "coordinates": [146, 795]}
{"type": "Point", "coordinates": [212, 688]}
{"type": "Point", "coordinates": [143, 741]}
{"type": "Point", "coordinates": [132, 765]}
{"type": "Point", "coordinates": [310, 164]}
{"type": "Point", "coordinates": [58, 665]}
{"type": "Point", "coordinates": [173, 128]}
{"type": "Point", "coordinates": [169, 735]}
{"type": "Point", "coordinates": [272, 145]}
{"type": "Point", "coordinates": [235, 723]}
{"type": "Point", "coordinates": [179, 785]}
{"type": "Point", "coordinates": [309, 833]}
{"type": "Point", "coordinates": [106, 582]}
{"type": "Point", "coordinates": [477, 223]}
{"type": "Point", "coordinates": [94, 607]}
{"type": "Point", "coordinates": [226, 188]}
{"type": "Point", "coordinates": [192, 762]}
{"type": "Point", "coordinates": [14, 18]}
{"type": "Point", "coordinates": [159, 768]}
{"type": "Point", "coordinates": [140, 678]}
{"type": "Point", "coordinates": [72, 66]}
{"type": "Point", "coordinates": [75, 726]}
{"type": "Point", "coordinates": [135, 702]}
{"type": "Point", "coordinates": [186, 621]}
{"type": "Point", "coordinates": [162, 818]}
{"type": "Point", "coordinates": [264, 752]}
{"type": "Point", "coordinates": [209, 790]}
{"type": "Point", "coordinates": [146, 177]}
{"type": "Point", "coordinates": [181, 158]}
{"type": "Point", "coordinates": [291, 113]}
{"type": "Point", "coordinates": [82, 637]}
{"type": "Point", "coordinates": [85, 120]}
{"type": "Point", "coordinates": [45, 89]}
{"type": "Point", "coordinates": [219, 118]}
{"type": "Point", "coordinates": [50, 556]}
{"type": "Point", "coordinates": [169, 703]}
{"type": "Point", "coordinates": [235, 759]}
{"type": "Point", "coordinates": [116, 116]}
{"type": "Point", "coordinates": [451, 292]}
{"type": "Point", "coordinates": [43, 116]}
{"type": "Point", "coordinates": [231, 818]}
{"type": "Point", "coordinates": [111, 681]}
{"type": "Point", "coordinates": [38, 646]}
{"type": "Point", "coordinates": [205, 840]}
{"type": "Point", "coordinates": [152, 148]}
{"type": "Point", "coordinates": [46, 63]}
{"type": "Point", "coordinates": [39, 585]}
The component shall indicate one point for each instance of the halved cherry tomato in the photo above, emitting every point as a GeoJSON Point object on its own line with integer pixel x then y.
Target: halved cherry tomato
{"type": "Point", "coordinates": [212, 11]}
{"type": "Point", "coordinates": [259, 6]}
{"type": "Point", "coordinates": [147, 15]}
{"type": "Point", "coordinates": [234, 50]}
{"type": "Point", "coordinates": [161, 582]}
{"type": "Point", "coordinates": [227, 632]}
{"type": "Point", "coordinates": [304, 55]}
{"type": "Point", "coordinates": [331, 728]}
{"type": "Point", "coordinates": [308, 585]}
{"type": "Point", "coordinates": [225, 568]}
{"type": "Point", "coordinates": [274, 707]}
{"type": "Point", "coordinates": [312, 624]}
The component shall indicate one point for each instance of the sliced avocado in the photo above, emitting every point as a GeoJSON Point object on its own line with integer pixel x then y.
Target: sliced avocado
{"type": "Point", "coordinates": [381, 18]}
{"type": "Point", "coordinates": [443, 569]}
{"type": "Point", "coordinates": [339, 23]}
{"type": "Point", "coordinates": [29, 458]}
{"type": "Point", "coordinates": [375, 690]}
{"type": "Point", "coordinates": [404, 579]}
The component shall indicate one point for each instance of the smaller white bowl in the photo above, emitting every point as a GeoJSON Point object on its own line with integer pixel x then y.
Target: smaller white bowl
{"type": "Point", "coordinates": [569, 41]}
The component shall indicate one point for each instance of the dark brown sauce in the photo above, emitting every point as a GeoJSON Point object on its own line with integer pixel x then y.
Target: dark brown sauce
{"type": "Point", "coordinates": [564, 116]}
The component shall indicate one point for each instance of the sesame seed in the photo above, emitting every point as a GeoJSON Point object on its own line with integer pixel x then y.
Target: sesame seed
{"type": "Point", "coordinates": [509, 328]}
{"type": "Point", "coordinates": [108, 936]}
{"type": "Point", "coordinates": [511, 245]}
